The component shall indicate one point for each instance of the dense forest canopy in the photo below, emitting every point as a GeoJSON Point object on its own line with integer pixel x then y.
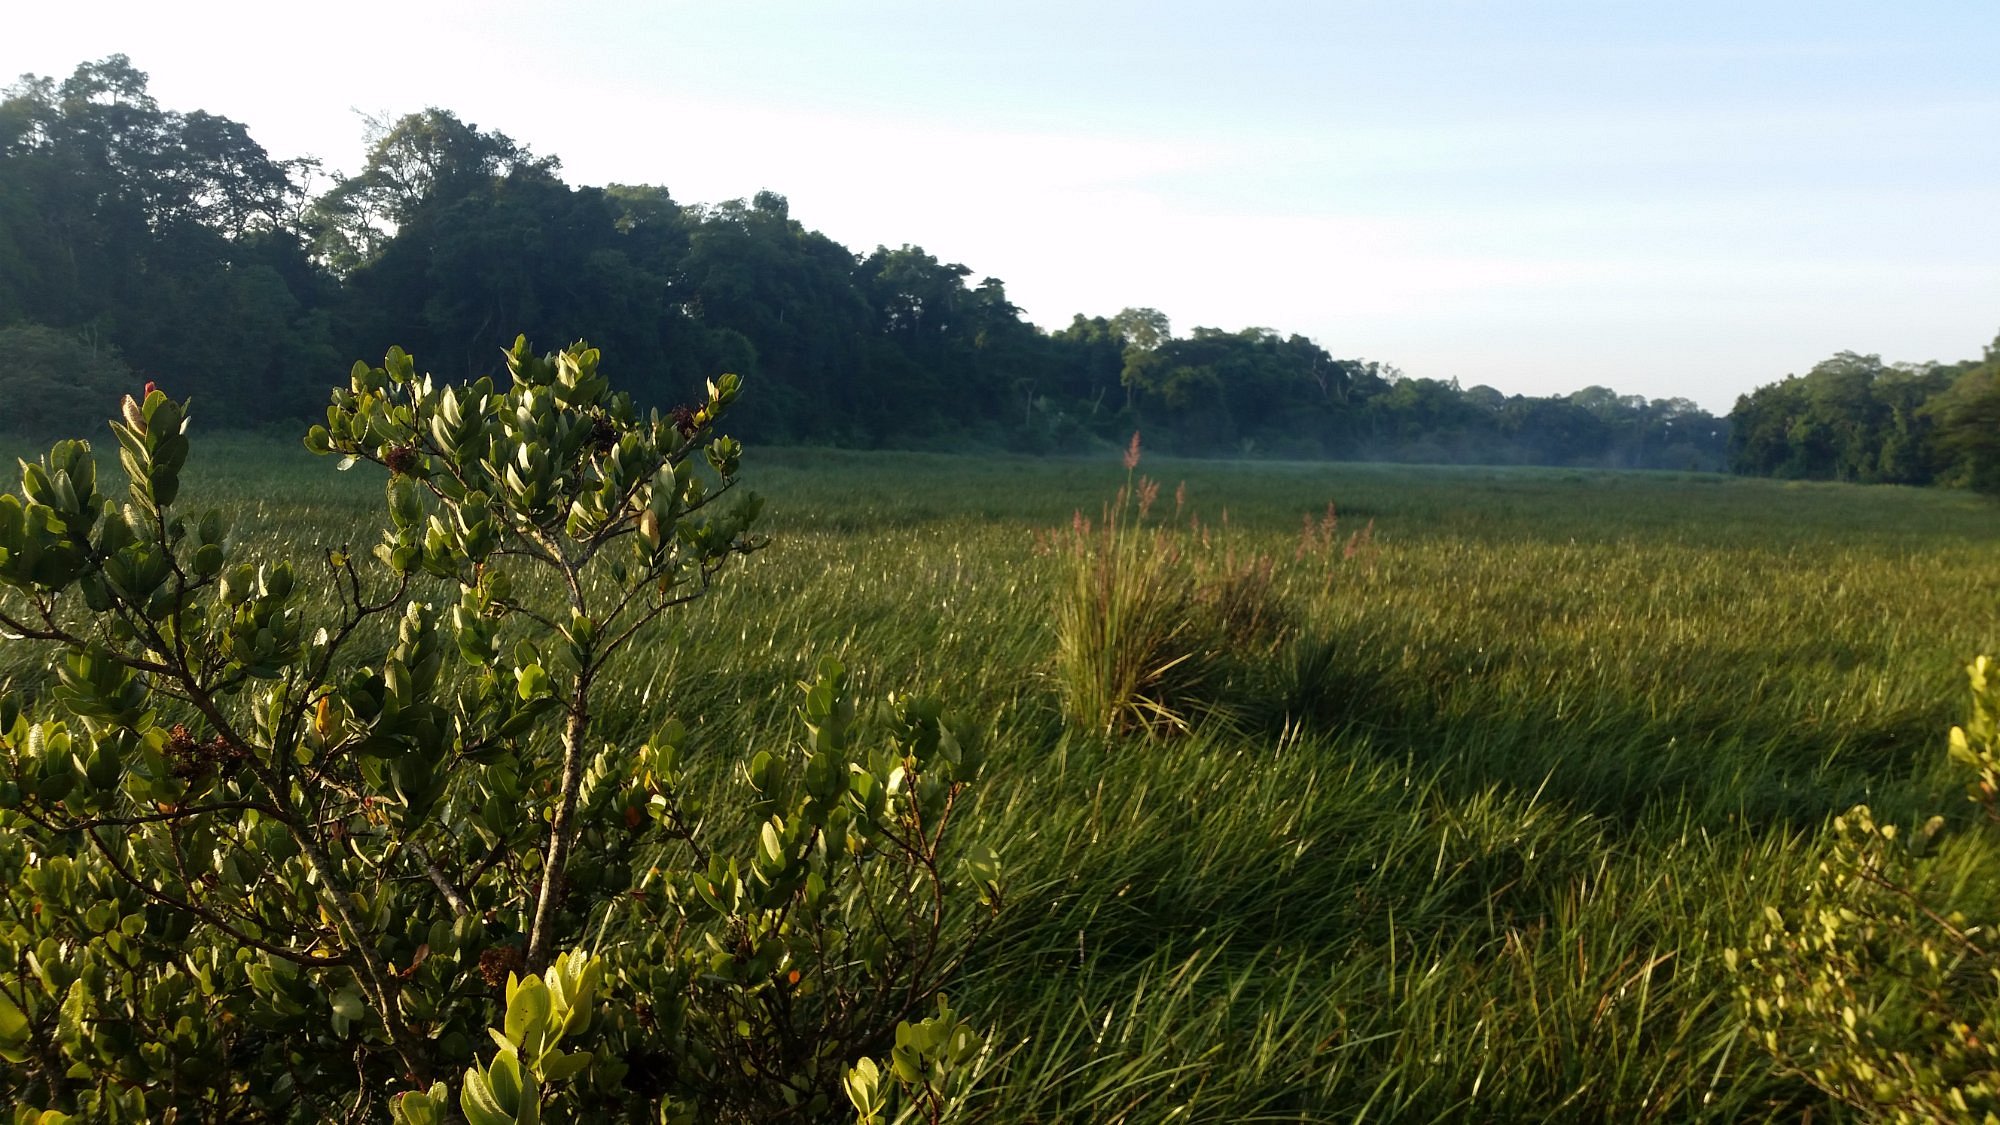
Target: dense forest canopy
{"type": "Point", "coordinates": [1856, 418]}
{"type": "Point", "coordinates": [142, 243]}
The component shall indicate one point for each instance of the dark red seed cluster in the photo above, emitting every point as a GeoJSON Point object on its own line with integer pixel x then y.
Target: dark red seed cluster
{"type": "Point", "coordinates": [603, 435]}
{"type": "Point", "coordinates": [401, 460]}
{"type": "Point", "coordinates": [191, 757]}
{"type": "Point", "coordinates": [498, 961]}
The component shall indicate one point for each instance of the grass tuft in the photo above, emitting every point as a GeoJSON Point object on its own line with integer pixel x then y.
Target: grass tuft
{"type": "Point", "coordinates": [1157, 621]}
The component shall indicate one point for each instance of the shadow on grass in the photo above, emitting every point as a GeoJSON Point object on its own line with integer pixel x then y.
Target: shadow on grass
{"type": "Point", "coordinates": [1605, 753]}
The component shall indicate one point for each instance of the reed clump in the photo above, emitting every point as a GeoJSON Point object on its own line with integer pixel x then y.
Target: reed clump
{"type": "Point", "coordinates": [1160, 622]}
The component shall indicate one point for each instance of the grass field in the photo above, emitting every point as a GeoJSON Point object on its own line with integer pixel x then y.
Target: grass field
{"type": "Point", "coordinates": [1565, 733]}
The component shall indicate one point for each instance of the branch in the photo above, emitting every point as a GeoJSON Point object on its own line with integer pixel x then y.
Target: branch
{"type": "Point", "coordinates": [439, 879]}
{"type": "Point", "coordinates": [512, 606]}
{"type": "Point", "coordinates": [333, 896]}
{"type": "Point", "coordinates": [494, 855]}
{"type": "Point", "coordinates": [562, 833]}
{"type": "Point", "coordinates": [308, 960]}
{"type": "Point", "coordinates": [167, 815]}
{"type": "Point", "coordinates": [21, 630]}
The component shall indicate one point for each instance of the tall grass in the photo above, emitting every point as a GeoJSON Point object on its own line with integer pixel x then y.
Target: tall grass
{"type": "Point", "coordinates": [1154, 617]}
{"type": "Point", "coordinates": [1539, 754]}
{"type": "Point", "coordinates": [1130, 654]}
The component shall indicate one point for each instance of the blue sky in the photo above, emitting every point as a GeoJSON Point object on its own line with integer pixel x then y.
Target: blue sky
{"type": "Point", "coordinates": [1672, 199]}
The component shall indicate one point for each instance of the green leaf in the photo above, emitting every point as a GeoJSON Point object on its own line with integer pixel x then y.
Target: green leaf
{"type": "Point", "coordinates": [534, 682]}
{"type": "Point", "coordinates": [503, 1077]}
{"type": "Point", "coordinates": [348, 1009]}
{"type": "Point", "coordinates": [528, 1010]}
{"type": "Point", "coordinates": [420, 1108]}
{"type": "Point", "coordinates": [476, 1099]}
{"type": "Point", "coordinates": [208, 560]}
{"type": "Point", "coordinates": [560, 1067]}
{"type": "Point", "coordinates": [13, 1023]}
{"type": "Point", "coordinates": [863, 1082]}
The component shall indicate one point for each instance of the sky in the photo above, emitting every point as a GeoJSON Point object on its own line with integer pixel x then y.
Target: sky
{"type": "Point", "coordinates": [1679, 199]}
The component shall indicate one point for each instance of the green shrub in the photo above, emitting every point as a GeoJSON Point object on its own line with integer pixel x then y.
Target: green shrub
{"type": "Point", "coordinates": [289, 838]}
{"type": "Point", "coordinates": [1880, 983]}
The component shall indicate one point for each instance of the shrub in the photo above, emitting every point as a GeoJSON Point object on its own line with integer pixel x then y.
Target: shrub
{"type": "Point", "coordinates": [254, 875]}
{"type": "Point", "coordinates": [1880, 983]}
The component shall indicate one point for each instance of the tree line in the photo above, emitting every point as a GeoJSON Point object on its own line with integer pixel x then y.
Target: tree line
{"type": "Point", "coordinates": [1856, 418]}
{"type": "Point", "coordinates": [143, 244]}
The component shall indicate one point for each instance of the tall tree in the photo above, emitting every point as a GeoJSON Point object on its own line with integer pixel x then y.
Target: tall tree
{"type": "Point", "coordinates": [421, 161]}
{"type": "Point", "coordinates": [1967, 420]}
{"type": "Point", "coordinates": [162, 232]}
{"type": "Point", "coordinates": [1144, 331]}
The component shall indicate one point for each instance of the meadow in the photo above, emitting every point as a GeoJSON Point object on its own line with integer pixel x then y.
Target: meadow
{"type": "Point", "coordinates": [1546, 742]}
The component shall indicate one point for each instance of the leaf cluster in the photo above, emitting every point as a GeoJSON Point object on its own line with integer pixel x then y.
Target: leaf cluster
{"type": "Point", "coordinates": [1879, 983]}
{"type": "Point", "coordinates": [279, 829]}
{"type": "Point", "coordinates": [761, 972]}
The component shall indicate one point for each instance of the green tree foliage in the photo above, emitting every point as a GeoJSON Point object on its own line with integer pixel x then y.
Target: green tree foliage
{"type": "Point", "coordinates": [54, 381]}
{"type": "Point", "coordinates": [177, 240]}
{"type": "Point", "coordinates": [1852, 417]}
{"type": "Point", "coordinates": [1967, 418]}
{"type": "Point", "coordinates": [165, 234]}
{"type": "Point", "coordinates": [787, 292]}
{"type": "Point", "coordinates": [420, 163]}
{"type": "Point", "coordinates": [279, 831]}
